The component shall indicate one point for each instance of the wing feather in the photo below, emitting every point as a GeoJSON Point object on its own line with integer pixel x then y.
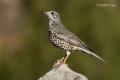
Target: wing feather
{"type": "Point", "coordinates": [71, 38]}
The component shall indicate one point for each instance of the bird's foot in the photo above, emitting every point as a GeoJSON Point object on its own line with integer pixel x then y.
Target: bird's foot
{"type": "Point", "coordinates": [60, 61]}
{"type": "Point", "coordinates": [63, 60]}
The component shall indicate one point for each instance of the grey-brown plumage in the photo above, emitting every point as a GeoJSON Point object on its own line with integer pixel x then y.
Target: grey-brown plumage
{"type": "Point", "coordinates": [63, 38]}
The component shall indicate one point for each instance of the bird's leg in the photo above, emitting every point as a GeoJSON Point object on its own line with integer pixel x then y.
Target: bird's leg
{"type": "Point", "coordinates": [62, 59]}
{"type": "Point", "coordinates": [65, 58]}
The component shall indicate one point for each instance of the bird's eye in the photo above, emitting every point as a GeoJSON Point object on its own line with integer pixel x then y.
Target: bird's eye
{"type": "Point", "coordinates": [52, 13]}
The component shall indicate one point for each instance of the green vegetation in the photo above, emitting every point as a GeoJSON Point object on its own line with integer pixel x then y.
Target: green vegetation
{"type": "Point", "coordinates": [26, 54]}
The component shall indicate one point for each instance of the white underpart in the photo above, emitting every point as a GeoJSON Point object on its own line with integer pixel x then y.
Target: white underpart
{"type": "Point", "coordinates": [75, 48]}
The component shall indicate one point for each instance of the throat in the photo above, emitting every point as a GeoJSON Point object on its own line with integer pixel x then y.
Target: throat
{"type": "Point", "coordinates": [52, 22]}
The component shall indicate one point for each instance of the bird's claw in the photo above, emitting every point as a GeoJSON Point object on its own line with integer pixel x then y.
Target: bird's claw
{"type": "Point", "coordinates": [61, 61]}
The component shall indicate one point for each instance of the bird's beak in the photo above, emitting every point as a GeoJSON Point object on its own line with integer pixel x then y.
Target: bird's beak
{"type": "Point", "coordinates": [43, 12]}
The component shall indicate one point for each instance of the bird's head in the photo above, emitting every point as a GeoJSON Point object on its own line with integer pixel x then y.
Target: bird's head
{"type": "Point", "coordinates": [53, 16]}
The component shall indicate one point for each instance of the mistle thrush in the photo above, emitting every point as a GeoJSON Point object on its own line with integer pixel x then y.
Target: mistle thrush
{"type": "Point", "coordinates": [63, 38]}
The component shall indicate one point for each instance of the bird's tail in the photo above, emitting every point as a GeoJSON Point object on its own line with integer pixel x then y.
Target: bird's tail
{"type": "Point", "coordinates": [93, 54]}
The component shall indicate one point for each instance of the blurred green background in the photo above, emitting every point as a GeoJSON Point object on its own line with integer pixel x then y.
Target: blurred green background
{"type": "Point", "coordinates": [26, 54]}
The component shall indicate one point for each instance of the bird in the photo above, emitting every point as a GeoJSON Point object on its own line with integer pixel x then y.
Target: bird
{"type": "Point", "coordinates": [62, 38]}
